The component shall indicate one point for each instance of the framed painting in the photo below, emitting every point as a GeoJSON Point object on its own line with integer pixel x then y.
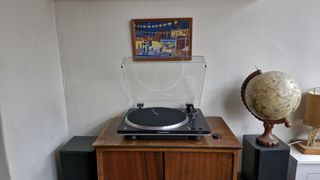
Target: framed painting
{"type": "Point", "coordinates": [164, 39]}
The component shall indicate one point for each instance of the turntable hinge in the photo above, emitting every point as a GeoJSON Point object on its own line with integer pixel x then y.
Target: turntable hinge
{"type": "Point", "coordinates": [140, 105]}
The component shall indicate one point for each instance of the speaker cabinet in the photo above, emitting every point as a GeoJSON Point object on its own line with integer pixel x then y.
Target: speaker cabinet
{"type": "Point", "coordinates": [264, 163]}
{"type": "Point", "coordinates": [78, 159]}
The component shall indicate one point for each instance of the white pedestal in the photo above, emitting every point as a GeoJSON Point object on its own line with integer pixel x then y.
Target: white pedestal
{"type": "Point", "coordinates": [303, 167]}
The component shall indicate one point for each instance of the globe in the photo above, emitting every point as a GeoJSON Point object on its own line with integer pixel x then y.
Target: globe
{"type": "Point", "coordinates": [271, 97]}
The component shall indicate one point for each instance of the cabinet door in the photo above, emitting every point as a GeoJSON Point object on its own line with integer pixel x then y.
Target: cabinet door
{"type": "Point", "coordinates": [130, 165]}
{"type": "Point", "coordinates": [307, 172]}
{"type": "Point", "coordinates": [198, 165]}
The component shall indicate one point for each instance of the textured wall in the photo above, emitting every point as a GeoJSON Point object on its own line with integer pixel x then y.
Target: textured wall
{"type": "Point", "coordinates": [32, 103]}
{"type": "Point", "coordinates": [233, 35]}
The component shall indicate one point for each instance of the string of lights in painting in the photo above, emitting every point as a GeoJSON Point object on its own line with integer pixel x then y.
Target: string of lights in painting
{"type": "Point", "coordinates": [160, 25]}
{"type": "Point", "coordinates": [149, 28]}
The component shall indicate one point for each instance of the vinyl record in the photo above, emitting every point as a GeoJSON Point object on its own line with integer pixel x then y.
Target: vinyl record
{"type": "Point", "coordinates": [156, 118]}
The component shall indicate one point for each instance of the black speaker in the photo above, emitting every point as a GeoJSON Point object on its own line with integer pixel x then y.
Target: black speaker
{"type": "Point", "coordinates": [78, 159]}
{"type": "Point", "coordinates": [264, 163]}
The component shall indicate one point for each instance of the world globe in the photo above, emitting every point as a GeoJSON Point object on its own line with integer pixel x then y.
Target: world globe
{"type": "Point", "coordinates": [271, 97]}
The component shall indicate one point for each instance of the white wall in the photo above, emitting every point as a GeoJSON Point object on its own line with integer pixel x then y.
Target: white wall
{"type": "Point", "coordinates": [233, 35]}
{"type": "Point", "coordinates": [32, 103]}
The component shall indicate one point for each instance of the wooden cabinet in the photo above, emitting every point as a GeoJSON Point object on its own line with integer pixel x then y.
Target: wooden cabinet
{"type": "Point", "coordinates": [208, 158]}
{"type": "Point", "coordinates": [198, 165]}
{"type": "Point", "coordinates": [135, 165]}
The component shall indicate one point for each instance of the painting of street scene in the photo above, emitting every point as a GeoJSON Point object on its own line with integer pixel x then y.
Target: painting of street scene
{"type": "Point", "coordinates": [162, 39]}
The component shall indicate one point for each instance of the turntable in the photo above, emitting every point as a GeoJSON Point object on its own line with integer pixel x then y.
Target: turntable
{"type": "Point", "coordinates": [169, 90]}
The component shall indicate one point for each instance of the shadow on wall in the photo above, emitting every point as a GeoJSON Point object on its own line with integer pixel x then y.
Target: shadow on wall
{"type": "Point", "coordinates": [299, 130]}
{"type": "Point", "coordinates": [299, 114]}
{"type": "Point", "coordinates": [95, 130]}
{"type": "Point", "coordinates": [4, 170]}
{"type": "Point", "coordinates": [232, 102]}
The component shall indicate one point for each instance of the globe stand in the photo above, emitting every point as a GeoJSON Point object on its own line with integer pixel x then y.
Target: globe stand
{"type": "Point", "coordinates": [267, 138]}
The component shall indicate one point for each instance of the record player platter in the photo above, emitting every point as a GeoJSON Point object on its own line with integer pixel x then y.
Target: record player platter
{"type": "Point", "coordinates": [164, 122]}
{"type": "Point", "coordinates": [159, 118]}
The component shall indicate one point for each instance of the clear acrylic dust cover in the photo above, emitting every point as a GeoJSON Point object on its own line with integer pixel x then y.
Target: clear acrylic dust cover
{"type": "Point", "coordinates": [164, 83]}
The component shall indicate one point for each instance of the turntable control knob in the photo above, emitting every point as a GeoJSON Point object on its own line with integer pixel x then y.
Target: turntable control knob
{"type": "Point", "coordinates": [189, 128]}
{"type": "Point", "coordinates": [216, 136]}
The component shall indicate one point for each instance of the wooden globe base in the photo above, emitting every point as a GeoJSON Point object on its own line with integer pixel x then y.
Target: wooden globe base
{"type": "Point", "coordinates": [267, 138]}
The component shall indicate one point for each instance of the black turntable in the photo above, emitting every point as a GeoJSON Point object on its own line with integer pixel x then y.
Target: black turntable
{"type": "Point", "coordinates": [160, 86]}
{"type": "Point", "coordinates": [161, 122]}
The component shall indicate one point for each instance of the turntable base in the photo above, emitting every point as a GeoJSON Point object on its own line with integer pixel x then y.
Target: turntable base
{"type": "Point", "coordinates": [211, 157]}
{"type": "Point", "coordinates": [164, 123]}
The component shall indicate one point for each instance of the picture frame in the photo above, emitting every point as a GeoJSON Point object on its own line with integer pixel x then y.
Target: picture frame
{"type": "Point", "coordinates": [161, 39]}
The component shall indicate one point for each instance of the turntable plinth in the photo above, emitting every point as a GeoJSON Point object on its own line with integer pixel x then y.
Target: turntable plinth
{"type": "Point", "coordinates": [209, 158]}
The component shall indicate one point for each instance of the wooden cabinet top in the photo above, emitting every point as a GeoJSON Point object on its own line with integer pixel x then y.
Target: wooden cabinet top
{"type": "Point", "coordinates": [109, 138]}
